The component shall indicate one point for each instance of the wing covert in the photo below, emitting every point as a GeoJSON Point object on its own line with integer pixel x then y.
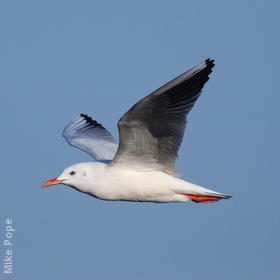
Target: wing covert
{"type": "Point", "coordinates": [151, 132]}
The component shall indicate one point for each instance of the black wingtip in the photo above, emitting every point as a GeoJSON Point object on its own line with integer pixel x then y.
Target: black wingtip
{"type": "Point", "coordinates": [89, 120]}
{"type": "Point", "coordinates": [210, 63]}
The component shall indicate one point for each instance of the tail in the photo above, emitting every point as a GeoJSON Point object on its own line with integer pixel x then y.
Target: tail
{"type": "Point", "coordinates": [200, 194]}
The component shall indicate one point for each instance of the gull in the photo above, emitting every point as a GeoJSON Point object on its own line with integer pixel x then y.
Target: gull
{"type": "Point", "coordinates": [141, 166]}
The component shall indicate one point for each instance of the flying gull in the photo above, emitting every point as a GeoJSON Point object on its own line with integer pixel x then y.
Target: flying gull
{"type": "Point", "coordinates": [141, 166]}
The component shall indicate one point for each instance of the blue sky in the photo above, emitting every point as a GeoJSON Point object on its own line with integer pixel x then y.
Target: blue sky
{"type": "Point", "coordinates": [62, 58]}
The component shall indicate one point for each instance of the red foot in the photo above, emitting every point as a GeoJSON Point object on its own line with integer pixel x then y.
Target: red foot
{"type": "Point", "coordinates": [202, 198]}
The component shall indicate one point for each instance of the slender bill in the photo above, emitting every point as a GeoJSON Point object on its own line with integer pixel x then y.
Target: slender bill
{"type": "Point", "coordinates": [52, 182]}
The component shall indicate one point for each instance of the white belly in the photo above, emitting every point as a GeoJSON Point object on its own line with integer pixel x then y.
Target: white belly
{"type": "Point", "coordinates": [156, 186]}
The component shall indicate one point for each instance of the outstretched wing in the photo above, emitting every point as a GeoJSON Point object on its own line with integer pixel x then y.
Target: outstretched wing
{"type": "Point", "coordinates": [90, 136]}
{"type": "Point", "coordinates": [152, 130]}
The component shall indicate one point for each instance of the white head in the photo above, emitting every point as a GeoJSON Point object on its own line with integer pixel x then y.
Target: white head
{"type": "Point", "coordinates": [78, 176]}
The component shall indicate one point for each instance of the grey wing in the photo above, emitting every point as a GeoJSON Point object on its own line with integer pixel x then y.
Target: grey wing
{"type": "Point", "coordinates": [151, 132]}
{"type": "Point", "coordinates": [90, 136]}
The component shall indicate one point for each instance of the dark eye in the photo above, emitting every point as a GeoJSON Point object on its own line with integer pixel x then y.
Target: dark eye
{"type": "Point", "coordinates": [72, 173]}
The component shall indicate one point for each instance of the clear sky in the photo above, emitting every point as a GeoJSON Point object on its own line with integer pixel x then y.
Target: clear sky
{"type": "Point", "coordinates": [62, 58]}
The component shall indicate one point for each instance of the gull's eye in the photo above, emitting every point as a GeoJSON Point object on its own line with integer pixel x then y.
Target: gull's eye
{"type": "Point", "coordinates": [72, 173]}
